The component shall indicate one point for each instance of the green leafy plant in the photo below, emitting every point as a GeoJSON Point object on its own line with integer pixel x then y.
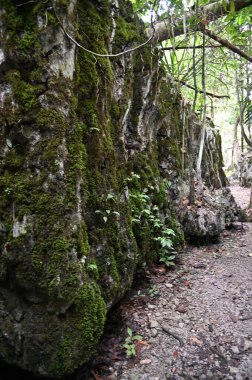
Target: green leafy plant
{"type": "Point", "coordinates": [92, 266]}
{"type": "Point", "coordinates": [130, 342]}
{"type": "Point", "coordinates": [166, 246]}
{"type": "Point", "coordinates": [153, 291]}
{"type": "Point", "coordinates": [145, 211]}
{"type": "Point", "coordinates": [139, 293]}
{"type": "Point", "coordinates": [167, 258]}
{"type": "Point", "coordinates": [108, 200]}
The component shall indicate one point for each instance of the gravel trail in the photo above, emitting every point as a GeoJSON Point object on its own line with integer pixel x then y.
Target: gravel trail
{"type": "Point", "coordinates": [195, 321]}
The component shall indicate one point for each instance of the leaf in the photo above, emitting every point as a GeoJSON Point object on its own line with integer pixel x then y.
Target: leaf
{"type": "Point", "coordinates": [169, 231]}
{"type": "Point", "coordinates": [143, 343]}
{"type": "Point", "coordinates": [116, 213]}
{"type": "Point", "coordinates": [132, 350]}
{"type": "Point", "coordinates": [166, 243]}
{"type": "Point", "coordinates": [129, 331]}
{"type": "Point", "coordinates": [95, 129]}
{"type": "Point", "coordinates": [176, 354]}
{"type": "Point", "coordinates": [145, 361]}
{"type": "Point", "coordinates": [146, 211]}
{"type": "Point", "coordinates": [196, 341]}
{"type": "Point", "coordinates": [92, 266]}
{"type": "Point", "coordinates": [9, 143]}
{"type": "Point", "coordinates": [170, 264]}
{"type": "Point", "coordinates": [172, 257]}
{"type": "Point", "coordinates": [186, 283]}
{"type": "Point", "coordinates": [136, 337]}
{"type": "Point", "coordinates": [126, 345]}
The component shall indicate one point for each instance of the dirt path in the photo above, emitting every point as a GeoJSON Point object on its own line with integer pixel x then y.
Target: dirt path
{"type": "Point", "coordinates": [195, 321]}
{"type": "Point", "coordinates": [242, 195]}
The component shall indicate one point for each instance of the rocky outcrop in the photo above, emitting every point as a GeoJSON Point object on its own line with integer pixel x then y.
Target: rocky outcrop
{"type": "Point", "coordinates": [214, 208]}
{"type": "Point", "coordinates": [245, 169]}
{"type": "Point", "coordinates": [94, 163]}
{"type": "Point", "coordinates": [210, 215]}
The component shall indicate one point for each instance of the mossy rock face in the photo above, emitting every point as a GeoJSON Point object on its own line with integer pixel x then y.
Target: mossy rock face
{"type": "Point", "coordinates": [80, 136]}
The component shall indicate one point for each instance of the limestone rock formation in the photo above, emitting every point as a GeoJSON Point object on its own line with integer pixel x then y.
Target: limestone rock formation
{"type": "Point", "coordinates": [245, 169]}
{"type": "Point", "coordinates": [210, 215]}
{"type": "Point", "coordinates": [94, 160]}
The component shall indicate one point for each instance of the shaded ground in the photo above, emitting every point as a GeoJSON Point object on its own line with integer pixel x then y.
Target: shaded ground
{"type": "Point", "coordinates": [195, 321]}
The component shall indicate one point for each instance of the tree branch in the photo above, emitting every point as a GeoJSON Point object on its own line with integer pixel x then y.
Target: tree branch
{"type": "Point", "coordinates": [201, 91]}
{"type": "Point", "coordinates": [189, 47]}
{"type": "Point", "coordinates": [211, 12]}
{"type": "Point", "coordinates": [223, 42]}
{"type": "Point", "coordinates": [248, 141]}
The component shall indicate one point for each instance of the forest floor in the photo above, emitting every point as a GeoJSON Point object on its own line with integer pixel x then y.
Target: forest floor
{"type": "Point", "coordinates": [195, 321]}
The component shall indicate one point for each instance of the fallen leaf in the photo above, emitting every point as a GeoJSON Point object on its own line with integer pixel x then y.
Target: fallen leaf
{"type": "Point", "coordinates": [175, 354]}
{"type": "Point", "coordinates": [143, 343]}
{"type": "Point", "coordinates": [221, 270]}
{"type": "Point", "coordinates": [186, 283]}
{"type": "Point", "coordinates": [250, 254]}
{"type": "Point", "coordinates": [196, 341]}
{"type": "Point", "coordinates": [169, 285]}
{"type": "Point", "coordinates": [145, 361]}
{"type": "Point", "coordinates": [198, 203]}
{"type": "Point", "coordinates": [161, 269]}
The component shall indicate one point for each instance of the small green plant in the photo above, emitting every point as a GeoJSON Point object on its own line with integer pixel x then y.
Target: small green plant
{"type": "Point", "coordinates": [110, 196]}
{"type": "Point", "coordinates": [130, 341]}
{"type": "Point", "coordinates": [165, 255]}
{"type": "Point", "coordinates": [92, 266]}
{"type": "Point", "coordinates": [106, 214]}
{"type": "Point", "coordinates": [108, 200]}
{"type": "Point", "coordinates": [145, 211]}
{"type": "Point", "coordinates": [8, 190]}
{"type": "Point", "coordinates": [153, 291]}
{"type": "Point", "coordinates": [167, 259]}
{"type": "Point", "coordinates": [139, 293]}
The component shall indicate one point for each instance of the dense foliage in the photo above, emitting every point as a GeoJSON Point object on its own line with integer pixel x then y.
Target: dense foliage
{"type": "Point", "coordinates": [215, 80]}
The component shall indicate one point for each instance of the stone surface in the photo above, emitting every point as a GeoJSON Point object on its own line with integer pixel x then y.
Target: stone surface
{"type": "Point", "coordinates": [245, 169]}
{"type": "Point", "coordinates": [216, 211]}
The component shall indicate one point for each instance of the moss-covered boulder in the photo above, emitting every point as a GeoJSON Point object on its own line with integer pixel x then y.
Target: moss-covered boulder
{"type": "Point", "coordinates": [92, 154]}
